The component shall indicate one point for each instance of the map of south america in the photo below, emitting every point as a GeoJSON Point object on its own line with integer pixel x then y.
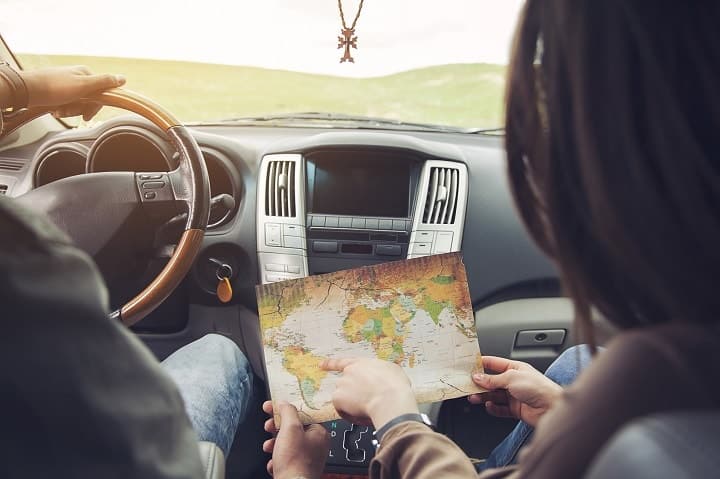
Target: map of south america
{"type": "Point", "coordinates": [415, 313]}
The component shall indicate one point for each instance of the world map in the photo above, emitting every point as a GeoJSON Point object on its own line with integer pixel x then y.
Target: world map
{"type": "Point", "coordinates": [415, 313]}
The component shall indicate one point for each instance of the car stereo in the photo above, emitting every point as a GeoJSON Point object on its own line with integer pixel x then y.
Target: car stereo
{"type": "Point", "coordinates": [359, 207]}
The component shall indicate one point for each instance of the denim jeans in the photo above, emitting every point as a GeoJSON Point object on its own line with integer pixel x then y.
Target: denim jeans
{"type": "Point", "coordinates": [563, 371]}
{"type": "Point", "coordinates": [216, 382]}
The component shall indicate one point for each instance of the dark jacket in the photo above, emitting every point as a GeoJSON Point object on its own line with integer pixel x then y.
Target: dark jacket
{"type": "Point", "coordinates": [80, 396]}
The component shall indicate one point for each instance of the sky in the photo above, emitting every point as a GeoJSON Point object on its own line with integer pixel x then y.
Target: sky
{"type": "Point", "coordinates": [300, 35]}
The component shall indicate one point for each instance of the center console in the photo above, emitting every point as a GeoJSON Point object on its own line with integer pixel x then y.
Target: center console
{"type": "Point", "coordinates": [337, 208]}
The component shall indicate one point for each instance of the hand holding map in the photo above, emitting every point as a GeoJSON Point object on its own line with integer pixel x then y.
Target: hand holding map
{"type": "Point", "coordinates": [415, 313]}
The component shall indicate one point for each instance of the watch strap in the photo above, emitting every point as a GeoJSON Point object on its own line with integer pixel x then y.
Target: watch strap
{"type": "Point", "coordinates": [18, 87]}
{"type": "Point", "coordinates": [412, 417]}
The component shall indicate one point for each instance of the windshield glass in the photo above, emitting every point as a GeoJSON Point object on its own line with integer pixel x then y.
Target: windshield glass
{"type": "Point", "coordinates": [422, 62]}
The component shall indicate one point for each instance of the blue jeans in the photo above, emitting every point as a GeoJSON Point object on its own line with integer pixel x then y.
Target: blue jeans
{"type": "Point", "coordinates": [563, 371]}
{"type": "Point", "coordinates": [216, 382]}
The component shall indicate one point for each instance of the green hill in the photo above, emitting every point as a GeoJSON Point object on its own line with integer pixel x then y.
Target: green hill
{"type": "Point", "coordinates": [461, 95]}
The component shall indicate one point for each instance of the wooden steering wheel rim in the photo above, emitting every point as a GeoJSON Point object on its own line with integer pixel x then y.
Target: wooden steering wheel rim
{"type": "Point", "coordinates": [195, 186]}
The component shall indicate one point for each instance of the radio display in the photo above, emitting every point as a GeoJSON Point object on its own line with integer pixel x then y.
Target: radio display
{"type": "Point", "coordinates": [359, 185]}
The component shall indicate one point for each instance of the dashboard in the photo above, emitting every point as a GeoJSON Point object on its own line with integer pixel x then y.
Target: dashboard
{"type": "Point", "coordinates": [314, 200]}
{"type": "Point", "coordinates": [307, 201]}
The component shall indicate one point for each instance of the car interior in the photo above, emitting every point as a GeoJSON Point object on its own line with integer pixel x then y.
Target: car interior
{"type": "Point", "coordinates": [288, 199]}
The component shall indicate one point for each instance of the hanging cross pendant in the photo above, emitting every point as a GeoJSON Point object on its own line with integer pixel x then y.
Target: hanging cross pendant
{"type": "Point", "coordinates": [346, 41]}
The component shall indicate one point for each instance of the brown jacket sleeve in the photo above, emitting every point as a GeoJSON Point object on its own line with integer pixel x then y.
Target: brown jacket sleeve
{"type": "Point", "coordinates": [412, 449]}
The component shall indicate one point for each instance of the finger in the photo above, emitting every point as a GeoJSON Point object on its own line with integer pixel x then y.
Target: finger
{"type": "Point", "coordinates": [494, 381]}
{"type": "Point", "coordinates": [288, 416]}
{"type": "Point", "coordinates": [476, 399]}
{"type": "Point", "coordinates": [270, 426]}
{"type": "Point", "coordinates": [91, 110]}
{"type": "Point", "coordinates": [360, 421]}
{"type": "Point", "coordinates": [498, 410]}
{"type": "Point", "coordinates": [103, 82]}
{"type": "Point", "coordinates": [318, 435]}
{"type": "Point", "coordinates": [270, 467]}
{"type": "Point", "coordinates": [67, 111]}
{"type": "Point", "coordinates": [82, 69]}
{"type": "Point", "coordinates": [338, 364]}
{"type": "Point", "coordinates": [267, 407]}
{"type": "Point", "coordinates": [268, 446]}
{"type": "Point", "coordinates": [497, 364]}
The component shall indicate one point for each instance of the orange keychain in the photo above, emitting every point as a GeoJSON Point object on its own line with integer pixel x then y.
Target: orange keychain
{"type": "Point", "coordinates": [224, 290]}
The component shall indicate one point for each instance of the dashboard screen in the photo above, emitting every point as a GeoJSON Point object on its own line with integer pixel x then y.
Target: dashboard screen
{"type": "Point", "coordinates": [361, 186]}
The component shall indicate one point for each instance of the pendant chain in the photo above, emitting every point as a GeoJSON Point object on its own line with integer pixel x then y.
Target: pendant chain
{"type": "Point", "coordinates": [342, 15]}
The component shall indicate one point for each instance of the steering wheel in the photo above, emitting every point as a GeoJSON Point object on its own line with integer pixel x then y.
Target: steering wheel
{"type": "Point", "coordinates": [92, 208]}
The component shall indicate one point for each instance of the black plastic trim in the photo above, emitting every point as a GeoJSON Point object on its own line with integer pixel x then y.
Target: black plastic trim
{"type": "Point", "coordinates": [194, 175]}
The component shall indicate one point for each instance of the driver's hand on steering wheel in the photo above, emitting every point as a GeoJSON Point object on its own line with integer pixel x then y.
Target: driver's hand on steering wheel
{"type": "Point", "coordinates": [62, 87]}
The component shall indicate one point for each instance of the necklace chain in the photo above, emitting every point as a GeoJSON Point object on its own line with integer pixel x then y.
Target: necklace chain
{"type": "Point", "coordinates": [342, 15]}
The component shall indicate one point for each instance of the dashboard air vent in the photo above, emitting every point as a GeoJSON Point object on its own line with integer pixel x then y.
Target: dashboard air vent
{"type": "Point", "coordinates": [3, 189]}
{"type": "Point", "coordinates": [8, 164]}
{"type": "Point", "coordinates": [280, 189]}
{"type": "Point", "coordinates": [442, 196]}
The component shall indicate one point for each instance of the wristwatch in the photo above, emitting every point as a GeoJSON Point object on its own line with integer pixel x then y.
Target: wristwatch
{"type": "Point", "coordinates": [412, 417]}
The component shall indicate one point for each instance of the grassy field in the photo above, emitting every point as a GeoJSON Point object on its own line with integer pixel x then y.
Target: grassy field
{"type": "Point", "coordinates": [467, 95]}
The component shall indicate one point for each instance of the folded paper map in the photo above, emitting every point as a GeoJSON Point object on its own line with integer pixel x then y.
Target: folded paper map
{"type": "Point", "coordinates": [415, 313]}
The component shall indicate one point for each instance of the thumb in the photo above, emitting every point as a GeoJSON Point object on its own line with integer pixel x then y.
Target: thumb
{"type": "Point", "coordinates": [104, 82]}
{"type": "Point", "coordinates": [317, 435]}
{"type": "Point", "coordinates": [289, 418]}
{"type": "Point", "coordinates": [493, 381]}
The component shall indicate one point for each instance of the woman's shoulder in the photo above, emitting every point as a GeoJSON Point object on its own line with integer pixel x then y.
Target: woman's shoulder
{"type": "Point", "coordinates": [644, 371]}
{"type": "Point", "coordinates": [690, 350]}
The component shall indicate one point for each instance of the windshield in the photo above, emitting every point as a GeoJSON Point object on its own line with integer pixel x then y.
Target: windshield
{"type": "Point", "coordinates": [429, 62]}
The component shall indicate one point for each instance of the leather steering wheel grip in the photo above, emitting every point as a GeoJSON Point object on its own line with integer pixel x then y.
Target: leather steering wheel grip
{"type": "Point", "coordinates": [193, 183]}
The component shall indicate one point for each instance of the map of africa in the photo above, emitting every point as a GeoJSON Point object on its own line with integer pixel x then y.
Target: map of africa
{"type": "Point", "coordinates": [415, 313]}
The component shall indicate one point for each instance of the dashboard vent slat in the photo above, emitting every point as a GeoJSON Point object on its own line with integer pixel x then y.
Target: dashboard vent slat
{"type": "Point", "coordinates": [442, 196]}
{"type": "Point", "coordinates": [280, 187]}
{"type": "Point", "coordinates": [8, 164]}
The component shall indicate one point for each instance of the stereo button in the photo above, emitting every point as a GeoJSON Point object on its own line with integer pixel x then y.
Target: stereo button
{"type": "Point", "coordinates": [421, 248]}
{"type": "Point", "coordinates": [358, 223]}
{"type": "Point", "coordinates": [388, 250]}
{"type": "Point", "coordinates": [424, 236]}
{"type": "Point", "coordinates": [386, 224]}
{"type": "Point", "coordinates": [294, 242]}
{"type": "Point", "coordinates": [273, 236]}
{"type": "Point", "coordinates": [275, 277]}
{"type": "Point", "coordinates": [345, 222]}
{"type": "Point", "coordinates": [331, 222]}
{"type": "Point", "coordinates": [398, 225]}
{"type": "Point", "coordinates": [371, 223]}
{"type": "Point", "coordinates": [277, 268]}
{"type": "Point", "coordinates": [293, 230]}
{"type": "Point", "coordinates": [325, 246]}
{"type": "Point", "coordinates": [293, 269]}
{"type": "Point", "coordinates": [443, 242]}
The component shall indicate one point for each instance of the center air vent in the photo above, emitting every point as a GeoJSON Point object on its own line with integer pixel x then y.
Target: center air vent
{"type": "Point", "coordinates": [8, 164]}
{"type": "Point", "coordinates": [3, 189]}
{"type": "Point", "coordinates": [442, 196]}
{"type": "Point", "coordinates": [280, 189]}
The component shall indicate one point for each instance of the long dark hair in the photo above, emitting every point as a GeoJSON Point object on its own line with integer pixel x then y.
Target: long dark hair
{"type": "Point", "coordinates": [613, 142]}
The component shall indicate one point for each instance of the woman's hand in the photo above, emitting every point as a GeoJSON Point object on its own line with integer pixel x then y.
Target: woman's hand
{"type": "Point", "coordinates": [296, 451]}
{"type": "Point", "coordinates": [518, 390]}
{"type": "Point", "coordinates": [62, 87]}
{"type": "Point", "coordinates": [371, 391]}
